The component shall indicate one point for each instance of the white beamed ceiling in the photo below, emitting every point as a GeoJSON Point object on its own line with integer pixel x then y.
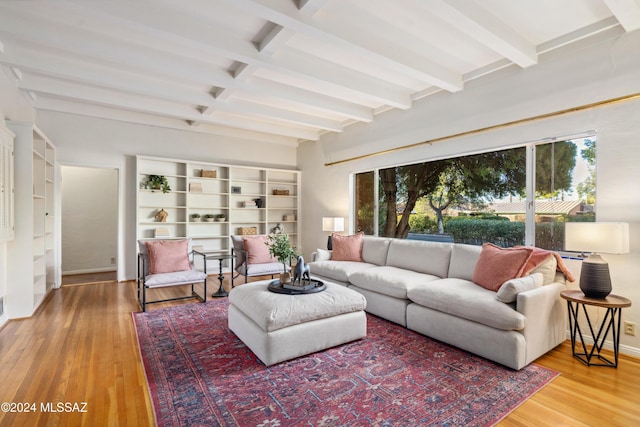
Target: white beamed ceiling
{"type": "Point", "coordinates": [276, 71]}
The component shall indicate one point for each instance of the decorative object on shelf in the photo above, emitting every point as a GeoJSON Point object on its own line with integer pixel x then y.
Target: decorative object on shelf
{"type": "Point", "coordinates": [157, 182]}
{"type": "Point", "coordinates": [280, 192]}
{"type": "Point", "coordinates": [277, 229]}
{"type": "Point", "coordinates": [195, 187]}
{"type": "Point", "coordinates": [208, 173]}
{"type": "Point", "coordinates": [236, 190]}
{"type": "Point", "coordinates": [301, 272]}
{"type": "Point", "coordinates": [195, 217]}
{"type": "Point", "coordinates": [249, 204]}
{"type": "Point", "coordinates": [332, 225]}
{"type": "Point", "coordinates": [220, 218]}
{"type": "Point", "coordinates": [289, 217]}
{"type": "Point", "coordinates": [594, 237]}
{"type": "Point", "coordinates": [161, 232]}
{"type": "Point", "coordinates": [281, 249]}
{"type": "Point", "coordinates": [258, 202]}
{"type": "Point", "coordinates": [247, 231]}
{"type": "Point", "coordinates": [161, 216]}
{"type": "Point", "coordinates": [209, 217]}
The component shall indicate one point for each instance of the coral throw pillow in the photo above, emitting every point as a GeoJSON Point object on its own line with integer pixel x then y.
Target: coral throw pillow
{"type": "Point", "coordinates": [496, 265]}
{"type": "Point", "coordinates": [167, 256]}
{"type": "Point", "coordinates": [347, 248]}
{"type": "Point", "coordinates": [257, 250]}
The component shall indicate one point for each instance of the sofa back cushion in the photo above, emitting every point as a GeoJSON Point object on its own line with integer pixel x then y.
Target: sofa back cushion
{"type": "Point", "coordinates": [463, 261]}
{"type": "Point", "coordinates": [375, 250]}
{"type": "Point", "coordinates": [423, 257]}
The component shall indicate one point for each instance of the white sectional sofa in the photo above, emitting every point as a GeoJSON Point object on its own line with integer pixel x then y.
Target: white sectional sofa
{"type": "Point", "coordinates": [428, 287]}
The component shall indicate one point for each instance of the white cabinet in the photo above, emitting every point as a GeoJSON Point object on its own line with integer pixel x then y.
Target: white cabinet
{"type": "Point", "coordinates": [32, 255]}
{"type": "Point", "coordinates": [6, 185]}
{"type": "Point", "coordinates": [223, 198]}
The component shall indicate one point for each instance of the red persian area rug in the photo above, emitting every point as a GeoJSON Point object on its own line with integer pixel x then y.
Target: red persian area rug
{"type": "Point", "coordinates": [201, 374]}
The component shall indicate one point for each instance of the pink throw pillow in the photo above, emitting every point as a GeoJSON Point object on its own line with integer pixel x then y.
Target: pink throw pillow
{"type": "Point", "coordinates": [496, 265]}
{"type": "Point", "coordinates": [347, 248]}
{"type": "Point", "coordinates": [257, 250]}
{"type": "Point", "coordinates": [167, 256]}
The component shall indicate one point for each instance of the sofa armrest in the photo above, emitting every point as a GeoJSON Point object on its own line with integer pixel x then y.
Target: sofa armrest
{"type": "Point", "coordinates": [546, 318]}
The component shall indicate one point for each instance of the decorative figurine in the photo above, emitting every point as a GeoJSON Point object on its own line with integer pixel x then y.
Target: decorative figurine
{"type": "Point", "coordinates": [161, 216]}
{"type": "Point", "coordinates": [301, 272]}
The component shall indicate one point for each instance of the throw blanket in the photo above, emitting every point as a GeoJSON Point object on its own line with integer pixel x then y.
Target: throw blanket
{"type": "Point", "coordinates": [538, 256]}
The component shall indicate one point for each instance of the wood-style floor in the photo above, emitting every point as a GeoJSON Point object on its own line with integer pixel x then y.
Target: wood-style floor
{"type": "Point", "coordinates": [81, 347]}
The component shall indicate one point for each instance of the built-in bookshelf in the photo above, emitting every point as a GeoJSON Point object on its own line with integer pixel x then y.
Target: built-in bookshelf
{"type": "Point", "coordinates": [234, 197]}
{"type": "Point", "coordinates": [32, 262]}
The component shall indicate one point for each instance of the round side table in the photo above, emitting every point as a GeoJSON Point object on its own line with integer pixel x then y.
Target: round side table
{"type": "Point", "coordinates": [611, 322]}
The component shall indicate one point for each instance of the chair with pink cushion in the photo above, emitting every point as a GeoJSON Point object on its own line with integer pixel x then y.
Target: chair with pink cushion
{"type": "Point", "coordinates": [163, 263]}
{"type": "Point", "coordinates": [252, 257]}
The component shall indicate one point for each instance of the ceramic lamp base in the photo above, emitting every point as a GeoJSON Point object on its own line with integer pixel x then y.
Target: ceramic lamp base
{"type": "Point", "coordinates": [595, 281]}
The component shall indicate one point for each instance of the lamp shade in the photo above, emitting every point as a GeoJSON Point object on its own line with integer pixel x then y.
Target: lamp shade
{"type": "Point", "coordinates": [602, 237]}
{"type": "Point", "coordinates": [594, 237]}
{"type": "Point", "coordinates": [332, 224]}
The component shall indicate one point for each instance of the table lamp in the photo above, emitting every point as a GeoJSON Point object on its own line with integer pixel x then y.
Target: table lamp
{"type": "Point", "coordinates": [332, 225]}
{"type": "Point", "coordinates": [596, 237]}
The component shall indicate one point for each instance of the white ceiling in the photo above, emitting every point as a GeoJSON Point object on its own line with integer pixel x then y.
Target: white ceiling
{"type": "Point", "coordinates": [276, 70]}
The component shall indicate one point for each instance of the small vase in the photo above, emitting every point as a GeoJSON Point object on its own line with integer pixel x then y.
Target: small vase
{"type": "Point", "coordinates": [285, 278]}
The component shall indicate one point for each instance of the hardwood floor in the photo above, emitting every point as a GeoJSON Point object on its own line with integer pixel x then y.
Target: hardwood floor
{"type": "Point", "coordinates": [81, 347]}
{"type": "Point", "coordinates": [89, 278]}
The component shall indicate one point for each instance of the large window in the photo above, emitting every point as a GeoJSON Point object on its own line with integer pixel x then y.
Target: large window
{"type": "Point", "coordinates": [509, 197]}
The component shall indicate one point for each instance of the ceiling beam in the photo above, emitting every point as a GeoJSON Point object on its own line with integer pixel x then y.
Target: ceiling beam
{"type": "Point", "coordinates": [475, 21]}
{"type": "Point", "coordinates": [285, 14]}
{"type": "Point", "coordinates": [108, 98]}
{"type": "Point", "coordinates": [627, 12]}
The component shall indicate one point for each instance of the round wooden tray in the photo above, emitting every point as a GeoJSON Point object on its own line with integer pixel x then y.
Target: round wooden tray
{"type": "Point", "coordinates": [276, 286]}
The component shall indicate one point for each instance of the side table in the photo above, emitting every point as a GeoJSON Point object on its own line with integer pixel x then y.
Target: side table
{"type": "Point", "coordinates": [611, 322]}
{"type": "Point", "coordinates": [221, 257]}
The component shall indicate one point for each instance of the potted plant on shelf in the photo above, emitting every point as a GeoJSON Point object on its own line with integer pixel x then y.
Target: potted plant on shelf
{"type": "Point", "coordinates": [209, 217]}
{"type": "Point", "coordinates": [157, 182]}
{"type": "Point", "coordinates": [195, 217]}
{"type": "Point", "coordinates": [280, 248]}
{"type": "Point", "coordinates": [220, 217]}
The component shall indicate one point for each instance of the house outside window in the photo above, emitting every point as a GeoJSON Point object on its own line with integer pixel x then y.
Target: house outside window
{"type": "Point", "coordinates": [518, 196]}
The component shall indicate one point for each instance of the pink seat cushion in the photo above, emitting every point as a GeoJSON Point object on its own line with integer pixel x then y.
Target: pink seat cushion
{"type": "Point", "coordinates": [257, 250]}
{"type": "Point", "coordinates": [167, 256]}
{"type": "Point", "coordinates": [496, 265]}
{"type": "Point", "coordinates": [347, 248]}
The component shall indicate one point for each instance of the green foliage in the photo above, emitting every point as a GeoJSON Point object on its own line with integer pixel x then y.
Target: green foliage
{"type": "Point", "coordinates": [280, 247]}
{"type": "Point", "coordinates": [554, 168]}
{"type": "Point", "coordinates": [157, 182]}
{"type": "Point", "coordinates": [587, 188]}
{"type": "Point", "coordinates": [478, 231]}
{"type": "Point", "coordinates": [550, 235]}
{"type": "Point", "coordinates": [421, 223]}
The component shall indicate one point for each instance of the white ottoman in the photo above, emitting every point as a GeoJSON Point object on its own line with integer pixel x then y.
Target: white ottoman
{"type": "Point", "coordinates": [279, 327]}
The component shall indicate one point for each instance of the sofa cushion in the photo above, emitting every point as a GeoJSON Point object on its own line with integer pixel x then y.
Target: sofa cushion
{"type": "Point", "coordinates": [463, 261]}
{"type": "Point", "coordinates": [322, 255]}
{"type": "Point", "coordinates": [337, 270]}
{"type": "Point", "coordinates": [375, 249]}
{"type": "Point", "coordinates": [423, 257]}
{"type": "Point", "coordinates": [391, 281]}
{"type": "Point", "coordinates": [547, 268]}
{"type": "Point", "coordinates": [496, 265]}
{"type": "Point", "coordinates": [465, 299]}
{"type": "Point", "coordinates": [347, 248]}
{"type": "Point", "coordinates": [510, 289]}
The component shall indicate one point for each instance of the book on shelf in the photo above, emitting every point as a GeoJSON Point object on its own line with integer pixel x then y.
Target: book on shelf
{"type": "Point", "coordinates": [161, 232]}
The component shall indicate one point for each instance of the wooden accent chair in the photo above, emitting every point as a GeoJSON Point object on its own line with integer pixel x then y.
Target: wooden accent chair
{"type": "Point", "coordinates": [252, 257]}
{"type": "Point", "coordinates": [163, 263]}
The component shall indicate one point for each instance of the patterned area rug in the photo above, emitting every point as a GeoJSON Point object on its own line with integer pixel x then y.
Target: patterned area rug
{"type": "Point", "coordinates": [200, 373]}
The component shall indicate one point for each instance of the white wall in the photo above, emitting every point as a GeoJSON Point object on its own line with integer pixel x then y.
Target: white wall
{"type": "Point", "coordinates": [13, 106]}
{"type": "Point", "coordinates": [562, 79]}
{"type": "Point", "coordinates": [85, 141]}
{"type": "Point", "coordinates": [89, 219]}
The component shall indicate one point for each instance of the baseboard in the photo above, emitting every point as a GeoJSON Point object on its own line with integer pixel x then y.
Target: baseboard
{"type": "Point", "coordinates": [89, 271]}
{"type": "Point", "coordinates": [623, 349]}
